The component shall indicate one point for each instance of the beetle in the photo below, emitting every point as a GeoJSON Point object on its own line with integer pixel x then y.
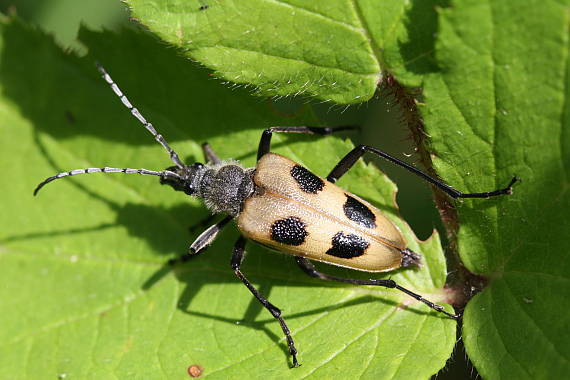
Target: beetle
{"type": "Point", "coordinates": [285, 207]}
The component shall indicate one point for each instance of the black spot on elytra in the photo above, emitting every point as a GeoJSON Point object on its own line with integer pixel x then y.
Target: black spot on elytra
{"type": "Point", "coordinates": [347, 246]}
{"type": "Point", "coordinates": [289, 231]}
{"type": "Point", "coordinates": [308, 182]}
{"type": "Point", "coordinates": [359, 212]}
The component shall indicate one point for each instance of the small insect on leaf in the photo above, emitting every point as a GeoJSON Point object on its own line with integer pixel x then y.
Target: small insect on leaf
{"type": "Point", "coordinates": [195, 370]}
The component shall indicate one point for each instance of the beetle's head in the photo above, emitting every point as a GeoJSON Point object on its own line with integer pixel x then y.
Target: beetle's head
{"type": "Point", "coordinates": [186, 178]}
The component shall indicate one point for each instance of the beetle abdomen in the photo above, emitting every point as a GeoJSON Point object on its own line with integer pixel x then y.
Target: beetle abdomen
{"type": "Point", "coordinates": [300, 213]}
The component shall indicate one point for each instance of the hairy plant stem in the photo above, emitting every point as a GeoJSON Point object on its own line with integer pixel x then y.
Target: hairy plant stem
{"type": "Point", "coordinates": [463, 283]}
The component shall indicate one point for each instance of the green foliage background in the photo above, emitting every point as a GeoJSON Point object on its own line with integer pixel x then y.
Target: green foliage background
{"type": "Point", "coordinates": [85, 292]}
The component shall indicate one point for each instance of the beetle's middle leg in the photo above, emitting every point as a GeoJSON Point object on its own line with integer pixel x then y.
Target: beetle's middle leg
{"type": "Point", "coordinates": [237, 258]}
{"type": "Point", "coordinates": [310, 269]}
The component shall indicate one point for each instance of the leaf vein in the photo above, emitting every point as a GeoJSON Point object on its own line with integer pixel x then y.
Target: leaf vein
{"type": "Point", "coordinates": [317, 14]}
{"type": "Point", "coordinates": [167, 329]}
{"type": "Point", "coordinates": [533, 322]}
{"type": "Point", "coordinates": [54, 325]}
{"type": "Point", "coordinates": [376, 52]}
{"type": "Point", "coordinates": [565, 114]}
{"type": "Point", "coordinates": [355, 339]}
{"type": "Point", "coordinates": [407, 351]}
{"type": "Point", "coordinates": [505, 345]}
{"type": "Point", "coordinates": [461, 113]}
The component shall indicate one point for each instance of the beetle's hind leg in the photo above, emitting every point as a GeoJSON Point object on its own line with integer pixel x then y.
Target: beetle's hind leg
{"type": "Point", "coordinates": [237, 258]}
{"type": "Point", "coordinates": [350, 159]}
{"type": "Point", "coordinates": [310, 269]}
{"type": "Point", "coordinates": [265, 142]}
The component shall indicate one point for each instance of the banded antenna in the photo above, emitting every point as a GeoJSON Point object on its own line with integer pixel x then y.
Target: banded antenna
{"type": "Point", "coordinates": [135, 112]}
{"type": "Point", "coordinates": [149, 127]}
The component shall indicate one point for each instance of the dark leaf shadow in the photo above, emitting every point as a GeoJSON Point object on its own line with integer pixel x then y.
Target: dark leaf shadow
{"type": "Point", "coordinates": [422, 24]}
{"type": "Point", "coordinates": [67, 97]}
{"type": "Point", "coordinates": [189, 274]}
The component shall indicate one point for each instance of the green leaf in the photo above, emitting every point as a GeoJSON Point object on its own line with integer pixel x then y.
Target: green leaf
{"type": "Point", "coordinates": [500, 107]}
{"type": "Point", "coordinates": [85, 290]}
{"type": "Point", "coordinates": [334, 50]}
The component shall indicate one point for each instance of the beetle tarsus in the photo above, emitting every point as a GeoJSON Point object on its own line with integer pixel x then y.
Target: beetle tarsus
{"type": "Point", "coordinates": [506, 191]}
{"type": "Point", "coordinates": [295, 362]}
{"type": "Point", "coordinates": [509, 189]}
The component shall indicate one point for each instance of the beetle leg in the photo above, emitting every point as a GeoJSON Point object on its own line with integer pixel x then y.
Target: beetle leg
{"type": "Point", "coordinates": [310, 269]}
{"type": "Point", "coordinates": [202, 242]}
{"type": "Point", "coordinates": [350, 159]}
{"type": "Point", "coordinates": [202, 223]}
{"type": "Point", "coordinates": [265, 142]}
{"type": "Point", "coordinates": [237, 258]}
{"type": "Point", "coordinates": [209, 154]}
{"type": "Point", "coordinates": [208, 236]}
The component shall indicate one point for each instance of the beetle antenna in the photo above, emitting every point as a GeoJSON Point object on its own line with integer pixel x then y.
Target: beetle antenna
{"type": "Point", "coordinates": [135, 112]}
{"type": "Point", "coordinates": [165, 173]}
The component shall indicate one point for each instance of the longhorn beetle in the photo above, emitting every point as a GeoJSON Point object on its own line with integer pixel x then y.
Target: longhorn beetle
{"type": "Point", "coordinates": [283, 206]}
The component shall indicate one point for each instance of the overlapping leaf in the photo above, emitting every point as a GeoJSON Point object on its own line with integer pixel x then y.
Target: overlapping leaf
{"type": "Point", "coordinates": [334, 50]}
{"type": "Point", "coordinates": [500, 107]}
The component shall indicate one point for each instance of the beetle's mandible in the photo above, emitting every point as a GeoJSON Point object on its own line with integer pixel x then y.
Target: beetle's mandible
{"type": "Point", "coordinates": [281, 205]}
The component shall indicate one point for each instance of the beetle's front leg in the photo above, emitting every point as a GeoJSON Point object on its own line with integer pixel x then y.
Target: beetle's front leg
{"type": "Point", "coordinates": [265, 142]}
{"type": "Point", "coordinates": [202, 242]}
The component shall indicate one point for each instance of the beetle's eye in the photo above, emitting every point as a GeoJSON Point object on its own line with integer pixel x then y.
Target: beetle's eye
{"type": "Point", "coordinates": [189, 189]}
